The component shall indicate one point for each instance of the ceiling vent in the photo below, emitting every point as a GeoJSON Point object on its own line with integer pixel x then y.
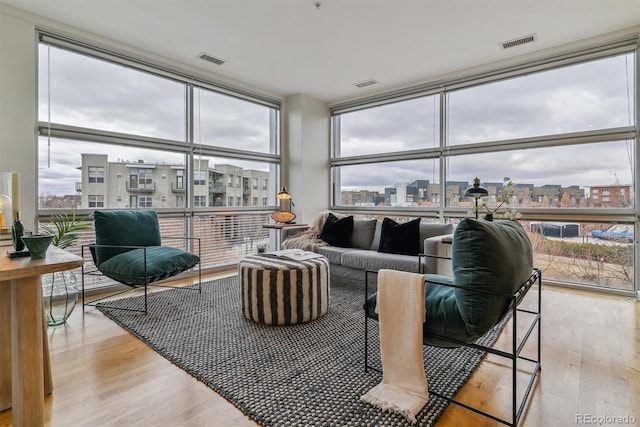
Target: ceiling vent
{"type": "Point", "coordinates": [366, 83]}
{"type": "Point", "coordinates": [519, 41]}
{"type": "Point", "coordinates": [211, 58]}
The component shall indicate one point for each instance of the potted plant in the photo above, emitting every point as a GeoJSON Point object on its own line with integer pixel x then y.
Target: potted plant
{"type": "Point", "coordinates": [503, 198]}
{"type": "Point", "coordinates": [59, 289]}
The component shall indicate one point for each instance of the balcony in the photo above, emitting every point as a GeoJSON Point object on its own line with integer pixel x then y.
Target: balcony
{"type": "Point", "coordinates": [177, 189]}
{"type": "Point", "coordinates": [142, 188]}
{"type": "Point", "coordinates": [217, 188]}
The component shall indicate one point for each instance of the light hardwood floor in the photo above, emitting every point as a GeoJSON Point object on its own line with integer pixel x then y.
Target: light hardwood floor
{"type": "Point", "coordinates": [104, 376]}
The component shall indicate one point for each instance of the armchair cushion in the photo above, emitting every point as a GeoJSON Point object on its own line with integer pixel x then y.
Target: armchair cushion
{"type": "Point", "coordinates": [442, 315]}
{"type": "Point", "coordinates": [124, 228]}
{"type": "Point", "coordinates": [162, 262]}
{"type": "Point", "coordinates": [488, 256]}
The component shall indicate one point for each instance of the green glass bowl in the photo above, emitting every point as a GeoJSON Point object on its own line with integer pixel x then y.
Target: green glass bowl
{"type": "Point", "coordinates": [37, 244]}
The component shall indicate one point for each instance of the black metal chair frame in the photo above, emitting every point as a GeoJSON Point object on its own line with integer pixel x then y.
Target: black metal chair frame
{"type": "Point", "coordinates": [516, 347]}
{"type": "Point", "coordinates": [96, 272]}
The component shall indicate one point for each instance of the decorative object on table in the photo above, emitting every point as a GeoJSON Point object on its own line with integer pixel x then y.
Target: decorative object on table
{"type": "Point", "coordinates": [60, 290]}
{"type": "Point", "coordinates": [6, 212]}
{"type": "Point", "coordinates": [476, 192]}
{"type": "Point", "coordinates": [37, 244]}
{"type": "Point", "coordinates": [284, 216]}
{"type": "Point", "coordinates": [17, 230]}
{"type": "Point", "coordinates": [503, 199]}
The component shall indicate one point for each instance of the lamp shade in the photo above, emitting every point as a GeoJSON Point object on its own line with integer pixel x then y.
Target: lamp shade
{"type": "Point", "coordinates": [475, 190]}
{"type": "Point", "coordinates": [284, 195]}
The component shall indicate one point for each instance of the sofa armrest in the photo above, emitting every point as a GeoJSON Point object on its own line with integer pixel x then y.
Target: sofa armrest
{"type": "Point", "coordinates": [288, 232]}
{"type": "Point", "coordinates": [437, 255]}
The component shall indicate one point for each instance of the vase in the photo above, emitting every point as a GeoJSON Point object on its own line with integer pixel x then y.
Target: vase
{"type": "Point", "coordinates": [60, 294]}
{"type": "Point", "coordinates": [488, 217]}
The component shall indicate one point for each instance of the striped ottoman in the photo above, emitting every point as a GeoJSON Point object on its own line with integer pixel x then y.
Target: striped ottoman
{"type": "Point", "coordinates": [278, 291]}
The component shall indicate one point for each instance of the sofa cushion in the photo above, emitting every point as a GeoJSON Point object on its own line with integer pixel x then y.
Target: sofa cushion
{"type": "Point", "coordinates": [333, 253]}
{"type": "Point", "coordinates": [372, 260]}
{"type": "Point", "coordinates": [337, 231]}
{"type": "Point", "coordinates": [400, 238]}
{"type": "Point", "coordinates": [489, 256]}
{"type": "Point", "coordinates": [363, 231]}
{"type": "Point", "coordinates": [124, 228]}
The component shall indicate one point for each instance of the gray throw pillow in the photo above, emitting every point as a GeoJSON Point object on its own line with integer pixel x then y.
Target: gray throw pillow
{"type": "Point", "coordinates": [363, 230]}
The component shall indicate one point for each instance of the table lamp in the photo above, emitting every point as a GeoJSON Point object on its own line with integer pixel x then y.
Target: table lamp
{"type": "Point", "coordinates": [284, 216]}
{"type": "Point", "coordinates": [476, 192]}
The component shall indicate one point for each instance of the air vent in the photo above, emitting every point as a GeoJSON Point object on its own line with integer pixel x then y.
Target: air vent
{"type": "Point", "coordinates": [519, 41]}
{"type": "Point", "coordinates": [211, 58]}
{"type": "Point", "coordinates": [366, 83]}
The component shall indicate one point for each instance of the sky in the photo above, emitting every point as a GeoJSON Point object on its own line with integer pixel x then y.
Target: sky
{"type": "Point", "coordinates": [85, 92]}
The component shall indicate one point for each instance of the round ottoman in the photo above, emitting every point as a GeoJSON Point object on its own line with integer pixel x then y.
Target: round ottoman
{"type": "Point", "coordinates": [280, 291]}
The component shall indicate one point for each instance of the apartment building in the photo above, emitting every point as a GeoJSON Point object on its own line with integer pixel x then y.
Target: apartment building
{"type": "Point", "coordinates": [138, 184]}
{"type": "Point", "coordinates": [610, 196]}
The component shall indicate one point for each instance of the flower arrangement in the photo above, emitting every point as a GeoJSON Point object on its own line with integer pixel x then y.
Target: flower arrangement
{"type": "Point", "coordinates": [503, 199]}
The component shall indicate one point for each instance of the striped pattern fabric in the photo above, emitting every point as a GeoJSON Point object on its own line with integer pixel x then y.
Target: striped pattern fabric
{"type": "Point", "coordinates": [279, 291]}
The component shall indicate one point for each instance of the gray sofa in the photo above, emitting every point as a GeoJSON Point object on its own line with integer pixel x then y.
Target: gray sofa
{"type": "Point", "coordinates": [350, 263]}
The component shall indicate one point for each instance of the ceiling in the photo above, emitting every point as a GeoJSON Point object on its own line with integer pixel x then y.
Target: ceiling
{"type": "Point", "coordinates": [321, 49]}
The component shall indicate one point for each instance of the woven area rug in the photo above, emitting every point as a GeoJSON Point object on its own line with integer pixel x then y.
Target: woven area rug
{"type": "Point", "coordinates": [310, 374]}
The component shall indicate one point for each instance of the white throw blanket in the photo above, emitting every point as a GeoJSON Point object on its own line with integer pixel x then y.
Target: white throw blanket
{"type": "Point", "coordinates": [401, 311]}
{"type": "Point", "coordinates": [308, 239]}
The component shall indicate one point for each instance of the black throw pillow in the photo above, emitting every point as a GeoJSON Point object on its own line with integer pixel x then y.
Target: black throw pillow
{"type": "Point", "coordinates": [400, 238]}
{"type": "Point", "coordinates": [337, 231]}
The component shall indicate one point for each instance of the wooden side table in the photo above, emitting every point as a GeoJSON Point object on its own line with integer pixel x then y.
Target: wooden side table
{"type": "Point", "coordinates": [25, 365]}
{"type": "Point", "coordinates": [278, 226]}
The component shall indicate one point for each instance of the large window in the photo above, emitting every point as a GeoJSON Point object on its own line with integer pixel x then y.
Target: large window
{"type": "Point", "coordinates": [117, 132]}
{"type": "Point", "coordinates": [583, 97]}
{"type": "Point", "coordinates": [563, 132]}
{"type": "Point", "coordinates": [400, 126]}
{"type": "Point", "coordinates": [406, 183]}
{"type": "Point", "coordinates": [80, 90]}
{"type": "Point", "coordinates": [217, 118]}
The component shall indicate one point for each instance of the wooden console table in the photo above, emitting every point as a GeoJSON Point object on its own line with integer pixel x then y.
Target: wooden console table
{"type": "Point", "coordinates": [25, 365]}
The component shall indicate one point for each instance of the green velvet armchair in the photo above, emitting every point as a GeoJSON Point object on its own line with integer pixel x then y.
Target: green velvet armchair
{"type": "Point", "coordinates": [492, 273]}
{"type": "Point", "coordinates": [129, 250]}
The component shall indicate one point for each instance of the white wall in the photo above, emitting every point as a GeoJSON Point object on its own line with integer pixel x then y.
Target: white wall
{"type": "Point", "coordinates": [18, 108]}
{"type": "Point", "coordinates": [307, 126]}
